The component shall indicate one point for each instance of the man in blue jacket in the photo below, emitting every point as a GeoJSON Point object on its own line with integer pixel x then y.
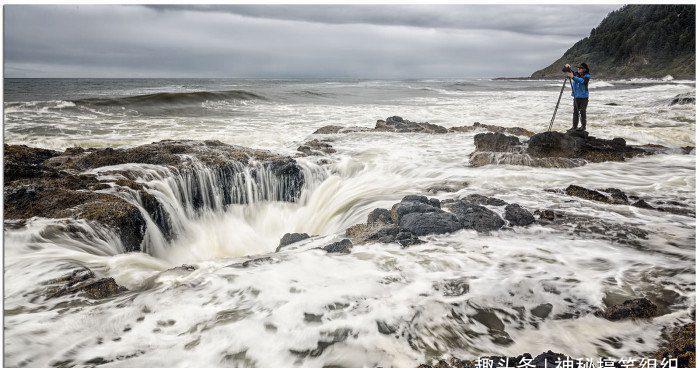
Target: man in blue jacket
{"type": "Point", "coordinates": [579, 89]}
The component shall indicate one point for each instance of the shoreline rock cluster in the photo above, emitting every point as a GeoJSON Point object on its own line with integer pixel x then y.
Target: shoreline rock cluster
{"type": "Point", "coordinates": [397, 124]}
{"type": "Point", "coordinates": [53, 184]}
{"type": "Point", "coordinates": [556, 149]}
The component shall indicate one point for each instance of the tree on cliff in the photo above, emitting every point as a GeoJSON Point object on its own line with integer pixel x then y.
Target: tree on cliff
{"type": "Point", "coordinates": [636, 41]}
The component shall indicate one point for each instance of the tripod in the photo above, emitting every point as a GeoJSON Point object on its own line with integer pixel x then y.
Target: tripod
{"type": "Point", "coordinates": [558, 100]}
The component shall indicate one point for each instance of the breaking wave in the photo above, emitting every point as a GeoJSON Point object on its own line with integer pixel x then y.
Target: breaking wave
{"type": "Point", "coordinates": [170, 98]}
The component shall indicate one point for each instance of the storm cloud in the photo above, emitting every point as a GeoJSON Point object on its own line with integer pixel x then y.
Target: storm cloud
{"type": "Point", "coordinates": [287, 41]}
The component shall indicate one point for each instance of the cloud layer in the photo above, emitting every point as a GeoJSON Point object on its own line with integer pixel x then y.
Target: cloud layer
{"type": "Point", "coordinates": [363, 41]}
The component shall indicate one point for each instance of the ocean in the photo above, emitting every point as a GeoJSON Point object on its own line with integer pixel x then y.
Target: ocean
{"type": "Point", "coordinates": [464, 293]}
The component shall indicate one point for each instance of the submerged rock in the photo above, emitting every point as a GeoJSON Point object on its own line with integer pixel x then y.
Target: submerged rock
{"type": "Point", "coordinates": [617, 196]}
{"type": "Point", "coordinates": [591, 227]}
{"type": "Point", "coordinates": [683, 99]}
{"type": "Point", "coordinates": [630, 309]}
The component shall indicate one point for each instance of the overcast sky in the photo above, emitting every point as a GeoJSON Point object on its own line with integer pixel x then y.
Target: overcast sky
{"type": "Point", "coordinates": [287, 41]}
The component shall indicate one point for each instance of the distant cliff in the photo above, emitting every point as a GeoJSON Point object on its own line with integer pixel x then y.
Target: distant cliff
{"type": "Point", "coordinates": [636, 41]}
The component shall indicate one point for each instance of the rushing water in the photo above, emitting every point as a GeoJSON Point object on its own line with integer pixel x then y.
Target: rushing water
{"type": "Point", "coordinates": [463, 293]}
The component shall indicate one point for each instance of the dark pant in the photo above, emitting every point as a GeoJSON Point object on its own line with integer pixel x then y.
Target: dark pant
{"type": "Point", "coordinates": [580, 105]}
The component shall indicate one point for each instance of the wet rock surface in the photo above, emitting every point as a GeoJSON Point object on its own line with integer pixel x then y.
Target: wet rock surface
{"type": "Point", "coordinates": [630, 309]}
{"type": "Point", "coordinates": [83, 282]}
{"type": "Point", "coordinates": [495, 142]}
{"type": "Point", "coordinates": [52, 184]}
{"type": "Point", "coordinates": [397, 124]}
{"type": "Point", "coordinates": [291, 238]}
{"type": "Point", "coordinates": [342, 246]}
{"type": "Point", "coordinates": [315, 147]}
{"type": "Point", "coordinates": [679, 344]}
{"type": "Point", "coordinates": [618, 197]}
{"type": "Point", "coordinates": [591, 226]}
{"type": "Point", "coordinates": [557, 150]}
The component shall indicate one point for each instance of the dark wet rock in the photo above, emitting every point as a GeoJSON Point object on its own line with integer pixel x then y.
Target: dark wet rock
{"type": "Point", "coordinates": [253, 261]}
{"type": "Point", "coordinates": [630, 309]}
{"type": "Point", "coordinates": [554, 144]}
{"type": "Point", "coordinates": [518, 216]}
{"type": "Point", "coordinates": [411, 204]}
{"type": "Point", "coordinates": [581, 192]}
{"type": "Point", "coordinates": [315, 147]}
{"type": "Point", "coordinates": [342, 246]}
{"type": "Point", "coordinates": [612, 104]}
{"type": "Point", "coordinates": [590, 226]}
{"type": "Point", "coordinates": [397, 124]}
{"type": "Point", "coordinates": [493, 128]}
{"type": "Point", "coordinates": [23, 162]}
{"type": "Point", "coordinates": [476, 217]}
{"type": "Point", "coordinates": [453, 287]}
{"type": "Point", "coordinates": [483, 200]}
{"type": "Point", "coordinates": [424, 223]}
{"type": "Point", "coordinates": [84, 282]}
{"type": "Point", "coordinates": [683, 99]}
{"type": "Point", "coordinates": [542, 310]}
{"type": "Point", "coordinates": [379, 215]}
{"type": "Point", "coordinates": [578, 144]}
{"type": "Point", "coordinates": [617, 196]}
{"type": "Point", "coordinates": [290, 238]}
{"type": "Point", "coordinates": [495, 142]}
{"type": "Point", "coordinates": [679, 344]}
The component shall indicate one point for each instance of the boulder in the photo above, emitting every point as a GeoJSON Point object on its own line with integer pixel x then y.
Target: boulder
{"type": "Point", "coordinates": [424, 223]}
{"type": "Point", "coordinates": [328, 129]}
{"type": "Point", "coordinates": [581, 192]}
{"type": "Point", "coordinates": [630, 309]}
{"type": "Point", "coordinates": [495, 142]}
{"type": "Point", "coordinates": [399, 125]}
{"type": "Point", "coordinates": [476, 217]}
{"type": "Point", "coordinates": [554, 144]}
{"type": "Point", "coordinates": [683, 99]}
{"type": "Point", "coordinates": [518, 216]}
{"type": "Point", "coordinates": [290, 238]}
{"type": "Point", "coordinates": [493, 128]}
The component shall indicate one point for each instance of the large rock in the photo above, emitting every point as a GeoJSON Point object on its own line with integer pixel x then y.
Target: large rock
{"type": "Point", "coordinates": [83, 282]}
{"type": "Point", "coordinates": [424, 223]}
{"type": "Point", "coordinates": [315, 147]}
{"type": "Point", "coordinates": [399, 125]}
{"type": "Point", "coordinates": [554, 144]}
{"type": "Point", "coordinates": [476, 217]}
{"type": "Point", "coordinates": [495, 142]}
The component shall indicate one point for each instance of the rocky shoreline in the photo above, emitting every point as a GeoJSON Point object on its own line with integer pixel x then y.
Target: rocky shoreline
{"type": "Point", "coordinates": [72, 185]}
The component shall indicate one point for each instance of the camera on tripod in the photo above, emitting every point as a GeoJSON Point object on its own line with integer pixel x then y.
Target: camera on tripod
{"type": "Point", "coordinates": [567, 69]}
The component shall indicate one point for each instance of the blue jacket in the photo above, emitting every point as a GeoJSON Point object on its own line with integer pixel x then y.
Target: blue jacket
{"type": "Point", "coordinates": [579, 85]}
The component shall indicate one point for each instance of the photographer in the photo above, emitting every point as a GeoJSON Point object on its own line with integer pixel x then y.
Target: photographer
{"type": "Point", "coordinates": [579, 86]}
